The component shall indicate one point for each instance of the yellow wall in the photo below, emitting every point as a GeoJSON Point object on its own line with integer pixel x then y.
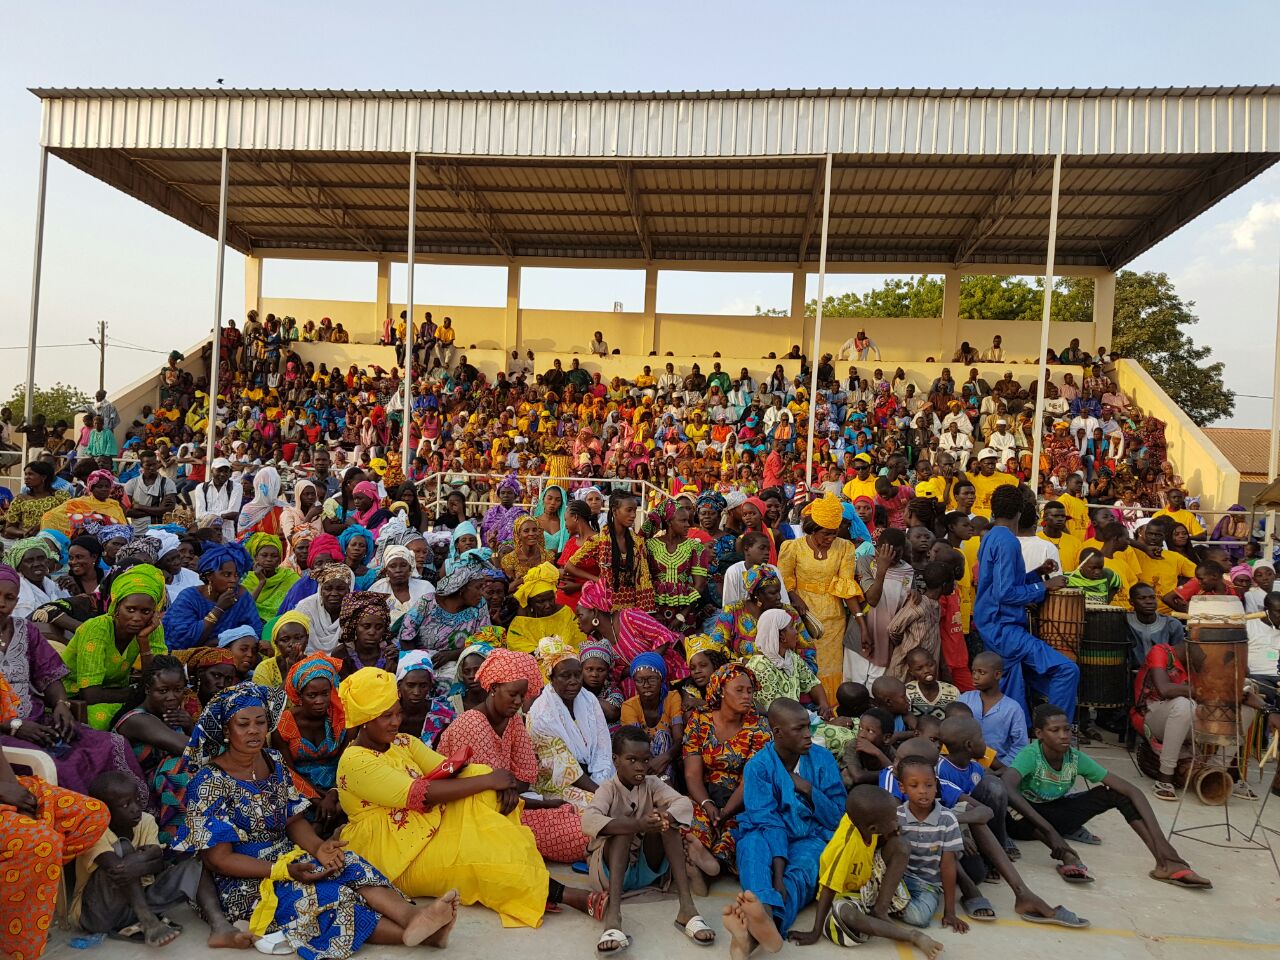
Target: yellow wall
{"type": "Point", "coordinates": [1201, 465]}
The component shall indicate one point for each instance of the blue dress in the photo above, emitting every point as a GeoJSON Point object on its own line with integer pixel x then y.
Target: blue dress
{"type": "Point", "coordinates": [325, 919]}
{"type": "Point", "coordinates": [184, 621]}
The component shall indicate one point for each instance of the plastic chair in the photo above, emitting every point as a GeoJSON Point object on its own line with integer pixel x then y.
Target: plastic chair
{"type": "Point", "coordinates": [37, 761]}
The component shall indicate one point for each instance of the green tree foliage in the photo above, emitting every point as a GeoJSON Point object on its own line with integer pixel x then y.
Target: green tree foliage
{"type": "Point", "coordinates": [59, 402]}
{"type": "Point", "coordinates": [1150, 326]}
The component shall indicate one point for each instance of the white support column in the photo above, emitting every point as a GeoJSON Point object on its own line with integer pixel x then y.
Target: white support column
{"type": "Point", "coordinates": [650, 336]}
{"type": "Point", "coordinates": [817, 324]}
{"type": "Point", "coordinates": [408, 312]}
{"type": "Point", "coordinates": [382, 294]}
{"type": "Point", "coordinates": [216, 360]}
{"type": "Point", "coordinates": [1273, 458]}
{"type": "Point", "coordinates": [1104, 309]}
{"type": "Point", "coordinates": [1037, 427]}
{"type": "Point", "coordinates": [798, 323]}
{"type": "Point", "coordinates": [512, 334]}
{"type": "Point", "coordinates": [950, 333]}
{"type": "Point", "coordinates": [33, 324]}
{"type": "Point", "coordinates": [252, 284]}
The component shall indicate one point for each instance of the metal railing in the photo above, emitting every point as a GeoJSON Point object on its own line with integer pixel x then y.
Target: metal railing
{"type": "Point", "coordinates": [445, 484]}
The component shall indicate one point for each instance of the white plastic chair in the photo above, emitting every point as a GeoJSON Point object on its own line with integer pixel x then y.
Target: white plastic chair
{"type": "Point", "coordinates": [37, 761]}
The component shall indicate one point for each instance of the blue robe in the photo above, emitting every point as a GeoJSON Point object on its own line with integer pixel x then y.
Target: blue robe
{"type": "Point", "coordinates": [776, 821]}
{"type": "Point", "coordinates": [1005, 590]}
{"type": "Point", "coordinates": [303, 588]}
{"type": "Point", "coordinates": [184, 620]}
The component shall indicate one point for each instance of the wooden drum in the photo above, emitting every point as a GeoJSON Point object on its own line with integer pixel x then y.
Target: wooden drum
{"type": "Point", "coordinates": [1060, 621]}
{"type": "Point", "coordinates": [1218, 663]}
{"type": "Point", "coordinates": [1104, 658]}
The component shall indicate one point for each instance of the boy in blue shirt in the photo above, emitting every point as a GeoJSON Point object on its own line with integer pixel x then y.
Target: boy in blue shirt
{"type": "Point", "coordinates": [1004, 725]}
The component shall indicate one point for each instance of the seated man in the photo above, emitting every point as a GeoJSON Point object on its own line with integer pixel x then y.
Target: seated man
{"type": "Point", "coordinates": [793, 800]}
{"type": "Point", "coordinates": [1147, 628]}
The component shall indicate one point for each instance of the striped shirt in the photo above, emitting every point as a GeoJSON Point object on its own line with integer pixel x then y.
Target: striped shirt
{"type": "Point", "coordinates": [930, 838]}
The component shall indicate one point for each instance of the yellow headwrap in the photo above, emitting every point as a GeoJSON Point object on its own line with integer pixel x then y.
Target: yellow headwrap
{"type": "Point", "coordinates": [540, 579]}
{"type": "Point", "coordinates": [293, 616]}
{"type": "Point", "coordinates": [827, 512]}
{"type": "Point", "coordinates": [703, 643]}
{"type": "Point", "coordinates": [553, 651]}
{"type": "Point", "coordinates": [367, 694]}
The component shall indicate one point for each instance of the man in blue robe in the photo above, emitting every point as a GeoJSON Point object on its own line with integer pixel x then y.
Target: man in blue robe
{"type": "Point", "coordinates": [1005, 590]}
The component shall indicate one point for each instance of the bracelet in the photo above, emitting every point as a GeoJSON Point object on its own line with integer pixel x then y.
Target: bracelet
{"type": "Point", "coordinates": [704, 803]}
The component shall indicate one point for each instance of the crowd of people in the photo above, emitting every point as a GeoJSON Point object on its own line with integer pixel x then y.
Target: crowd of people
{"type": "Point", "coordinates": [296, 695]}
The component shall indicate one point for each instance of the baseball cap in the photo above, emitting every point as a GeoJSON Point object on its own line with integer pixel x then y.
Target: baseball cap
{"type": "Point", "coordinates": [986, 452]}
{"type": "Point", "coordinates": [866, 458]}
{"type": "Point", "coordinates": [221, 462]}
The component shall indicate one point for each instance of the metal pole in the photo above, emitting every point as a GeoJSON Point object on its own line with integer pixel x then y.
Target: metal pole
{"type": "Point", "coordinates": [217, 316]}
{"type": "Point", "coordinates": [408, 313]}
{"type": "Point", "coordinates": [102, 354]}
{"type": "Point", "coordinates": [817, 325]}
{"type": "Point", "coordinates": [1037, 428]}
{"type": "Point", "coordinates": [34, 323]}
{"type": "Point", "coordinates": [1273, 459]}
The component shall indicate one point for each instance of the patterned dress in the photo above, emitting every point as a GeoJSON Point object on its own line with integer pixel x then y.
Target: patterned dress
{"type": "Point", "coordinates": [672, 571]}
{"type": "Point", "coordinates": [167, 777]}
{"type": "Point", "coordinates": [430, 627]}
{"type": "Point", "coordinates": [722, 766]}
{"type": "Point", "coordinates": [735, 627]}
{"type": "Point", "coordinates": [597, 553]}
{"type": "Point", "coordinates": [325, 919]}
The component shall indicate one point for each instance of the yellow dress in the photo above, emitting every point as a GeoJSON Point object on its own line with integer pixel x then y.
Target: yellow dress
{"type": "Point", "coordinates": [425, 850]}
{"type": "Point", "coordinates": [524, 633]}
{"type": "Point", "coordinates": [823, 585]}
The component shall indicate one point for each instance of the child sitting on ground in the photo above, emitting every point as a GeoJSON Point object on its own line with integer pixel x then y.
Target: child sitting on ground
{"type": "Point", "coordinates": [871, 752]}
{"type": "Point", "coordinates": [634, 822]}
{"type": "Point", "coordinates": [926, 694]}
{"type": "Point", "coordinates": [852, 700]}
{"type": "Point", "coordinates": [1004, 725]}
{"type": "Point", "coordinates": [936, 842]}
{"type": "Point", "coordinates": [124, 879]}
{"type": "Point", "coordinates": [859, 878]}
{"type": "Point", "coordinates": [890, 695]}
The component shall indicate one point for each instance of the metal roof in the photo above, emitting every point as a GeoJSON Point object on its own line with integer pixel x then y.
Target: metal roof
{"type": "Point", "coordinates": [1246, 448]}
{"type": "Point", "coordinates": [920, 177]}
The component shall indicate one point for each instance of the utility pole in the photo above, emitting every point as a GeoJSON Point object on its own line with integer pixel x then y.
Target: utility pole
{"type": "Point", "coordinates": [101, 343]}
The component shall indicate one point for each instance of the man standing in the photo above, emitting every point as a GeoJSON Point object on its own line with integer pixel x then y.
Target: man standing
{"type": "Point", "coordinates": [219, 497]}
{"type": "Point", "coordinates": [598, 346]}
{"type": "Point", "coordinates": [107, 411]}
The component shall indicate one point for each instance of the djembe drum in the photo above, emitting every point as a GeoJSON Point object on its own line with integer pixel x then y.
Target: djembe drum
{"type": "Point", "coordinates": [1104, 657]}
{"type": "Point", "coordinates": [1217, 665]}
{"type": "Point", "coordinates": [1059, 622]}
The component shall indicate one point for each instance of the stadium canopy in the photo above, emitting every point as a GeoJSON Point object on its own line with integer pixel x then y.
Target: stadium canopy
{"type": "Point", "coordinates": [919, 177]}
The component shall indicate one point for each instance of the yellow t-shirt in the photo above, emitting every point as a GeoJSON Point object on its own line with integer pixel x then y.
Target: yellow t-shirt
{"type": "Point", "coordinates": [847, 861]}
{"type": "Point", "coordinates": [1127, 580]}
{"type": "Point", "coordinates": [1128, 556]}
{"type": "Point", "coordinates": [1184, 517]}
{"type": "Point", "coordinates": [1077, 514]}
{"type": "Point", "coordinates": [1162, 574]}
{"type": "Point", "coordinates": [988, 757]}
{"type": "Point", "coordinates": [984, 487]}
{"type": "Point", "coordinates": [697, 432]}
{"type": "Point", "coordinates": [856, 488]}
{"type": "Point", "coordinates": [145, 834]}
{"type": "Point", "coordinates": [968, 589]}
{"type": "Point", "coordinates": [446, 335]}
{"type": "Point", "coordinates": [1069, 548]}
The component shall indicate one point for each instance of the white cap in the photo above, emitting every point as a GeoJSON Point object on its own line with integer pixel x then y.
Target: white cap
{"type": "Point", "coordinates": [986, 452]}
{"type": "Point", "coordinates": [1002, 420]}
{"type": "Point", "coordinates": [221, 462]}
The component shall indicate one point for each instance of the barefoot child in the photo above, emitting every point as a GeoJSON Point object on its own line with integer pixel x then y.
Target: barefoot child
{"type": "Point", "coordinates": [858, 880]}
{"type": "Point", "coordinates": [634, 823]}
{"type": "Point", "coordinates": [1004, 725]}
{"type": "Point", "coordinates": [926, 694]}
{"type": "Point", "coordinates": [124, 879]}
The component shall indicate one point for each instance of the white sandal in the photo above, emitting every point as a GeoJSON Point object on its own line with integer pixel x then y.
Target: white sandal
{"type": "Point", "coordinates": [620, 940]}
{"type": "Point", "coordinates": [695, 926]}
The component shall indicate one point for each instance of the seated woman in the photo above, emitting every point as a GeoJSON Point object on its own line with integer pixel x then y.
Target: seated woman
{"type": "Point", "coordinates": [463, 540]}
{"type": "Point", "coordinates": [324, 607]}
{"type": "Point", "coordinates": [540, 616]}
{"type": "Point", "coordinates": [597, 678]}
{"type": "Point", "coordinates": [719, 739]}
{"type": "Point", "coordinates": [159, 727]}
{"type": "Point", "coordinates": [84, 569]}
{"type": "Point", "coordinates": [321, 551]}
{"type": "Point", "coordinates": [1045, 770]}
{"type": "Point", "coordinates": [568, 729]}
{"type": "Point", "coordinates": [465, 693]}
{"type": "Point", "coordinates": [34, 559]}
{"type": "Point", "coordinates": [400, 584]}
{"type": "Point", "coordinates": [171, 560]}
{"type": "Point", "coordinates": [22, 518]}
{"type": "Point", "coordinates": [427, 821]}
{"type": "Point", "coordinates": [210, 670]}
{"type": "Point", "coordinates": [628, 632]}
{"type": "Point", "coordinates": [706, 656]}
{"type": "Point", "coordinates": [42, 713]}
{"type": "Point", "coordinates": [289, 634]}
{"type": "Point", "coordinates": [262, 512]}
{"type": "Point", "coordinates": [268, 582]}
{"type": "Point", "coordinates": [201, 613]}
{"type": "Point", "coordinates": [443, 625]}
{"type": "Point", "coordinates": [496, 736]}
{"type": "Point", "coordinates": [96, 504]}
{"type": "Point", "coordinates": [527, 554]}
{"type": "Point", "coordinates": [357, 550]}
{"type": "Point", "coordinates": [366, 641]}
{"type": "Point", "coordinates": [242, 643]}
{"type": "Point", "coordinates": [246, 820]}
{"type": "Point", "coordinates": [735, 626]}
{"type": "Point", "coordinates": [112, 536]}
{"type": "Point", "coordinates": [657, 710]}
{"type": "Point", "coordinates": [423, 713]}
{"type": "Point", "coordinates": [312, 732]}
{"type": "Point", "coordinates": [101, 655]}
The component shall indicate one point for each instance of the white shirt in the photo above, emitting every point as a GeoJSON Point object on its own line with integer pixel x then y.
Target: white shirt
{"type": "Point", "coordinates": [734, 589]}
{"type": "Point", "coordinates": [209, 499]}
{"type": "Point", "coordinates": [30, 596]}
{"type": "Point", "coordinates": [960, 420]}
{"type": "Point", "coordinates": [181, 580]}
{"type": "Point", "coordinates": [1005, 444]}
{"type": "Point", "coordinates": [1264, 647]}
{"type": "Point", "coordinates": [418, 588]}
{"type": "Point", "coordinates": [600, 348]}
{"type": "Point", "coordinates": [1036, 551]}
{"type": "Point", "coordinates": [956, 442]}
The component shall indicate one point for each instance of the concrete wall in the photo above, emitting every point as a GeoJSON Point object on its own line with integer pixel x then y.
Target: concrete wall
{"type": "Point", "coordinates": [1203, 467]}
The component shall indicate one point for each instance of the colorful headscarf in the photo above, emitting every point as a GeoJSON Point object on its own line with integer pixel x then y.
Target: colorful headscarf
{"type": "Point", "coordinates": [596, 596]}
{"type": "Point", "coordinates": [713, 499]}
{"type": "Point", "coordinates": [859, 529]}
{"type": "Point", "coordinates": [139, 550]}
{"type": "Point", "coordinates": [334, 571]}
{"type": "Point", "coordinates": [354, 606]}
{"type": "Point", "coordinates": [825, 512]}
{"type": "Point", "coordinates": [293, 616]}
{"type": "Point", "coordinates": [142, 579]}
{"type": "Point", "coordinates": [97, 477]}
{"type": "Point", "coordinates": [467, 568]}
{"type": "Point", "coordinates": [768, 640]}
{"type": "Point", "coordinates": [414, 660]}
{"type": "Point", "coordinates": [208, 738]}
{"type": "Point", "coordinates": [106, 532]}
{"type": "Point", "coordinates": [541, 579]}
{"type": "Point", "coordinates": [720, 679]}
{"type": "Point", "coordinates": [759, 576]}
{"type": "Point", "coordinates": [215, 555]}
{"type": "Point", "coordinates": [260, 540]}
{"type": "Point", "coordinates": [396, 552]}
{"type": "Point", "coordinates": [324, 545]}
{"type": "Point", "coordinates": [367, 694]}
{"type": "Point", "coordinates": [597, 651]}
{"type": "Point", "coordinates": [651, 661]}
{"type": "Point", "coordinates": [510, 666]}
{"type": "Point", "coordinates": [317, 666]}
{"type": "Point", "coordinates": [703, 643]}
{"type": "Point", "coordinates": [20, 549]}
{"type": "Point", "coordinates": [759, 505]}
{"type": "Point", "coordinates": [510, 483]}
{"type": "Point", "coordinates": [553, 651]}
{"type": "Point", "coordinates": [353, 531]}
{"type": "Point", "coordinates": [244, 632]}
{"type": "Point", "coordinates": [667, 512]}
{"type": "Point", "coordinates": [202, 658]}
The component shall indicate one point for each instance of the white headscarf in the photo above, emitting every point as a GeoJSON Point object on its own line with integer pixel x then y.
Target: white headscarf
{"type": "Point", "coordinates": [769, 635]}
{"type": "Point", "coordinates": [266, 494]}
{"type": "Point", "coordinates": [585, 732]}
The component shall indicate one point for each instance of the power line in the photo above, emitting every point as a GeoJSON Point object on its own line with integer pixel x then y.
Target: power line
{"type": "Point", "coordinates": [50, 346]}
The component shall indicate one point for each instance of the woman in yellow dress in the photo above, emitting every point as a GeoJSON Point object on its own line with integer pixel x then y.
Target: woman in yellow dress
{"type": "Point", "coordinates": [818, 572]}
{"type": "Point", "coordinates": [431, 823]}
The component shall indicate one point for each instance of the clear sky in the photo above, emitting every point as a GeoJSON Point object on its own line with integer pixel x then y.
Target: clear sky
{"type": "Point", "coordinates": [109, 257]}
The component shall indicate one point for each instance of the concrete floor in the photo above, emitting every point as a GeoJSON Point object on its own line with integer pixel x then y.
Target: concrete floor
{"type": "Point", "coordinates": [1132, 916]}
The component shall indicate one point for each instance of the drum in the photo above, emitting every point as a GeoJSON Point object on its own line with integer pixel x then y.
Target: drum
{"type": "Point", "coordinates": [1104, 658]}
{"type": "Point", "coordinates": [1060, 621]}
{"type": "Point", "coordinates": [1217, 663]}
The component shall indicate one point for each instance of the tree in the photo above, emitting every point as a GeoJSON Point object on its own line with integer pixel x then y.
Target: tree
{"type": "Point", "coordinates": [59, 402]}
{"type": "Point", "coordinates": [1150, 320]}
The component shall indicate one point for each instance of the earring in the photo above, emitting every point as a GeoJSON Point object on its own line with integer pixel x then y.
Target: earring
{"type": "Point", "coordinates": [595, 623]}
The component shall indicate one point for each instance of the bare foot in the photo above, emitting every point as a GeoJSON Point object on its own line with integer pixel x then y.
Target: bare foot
{"type": "Point", "coordinates": [158, 933]}
{"type": "Point", "coordinates": [926, 945]}
{"type": "Point", "coordinates": [230, 938]}
{"type": "Point", "coordinates": [736, 924]}
{"type": "Point", "coordinates": [759, 921]}
{"type": "Point", "coordinates": [441, 937]}
{"type": "Point", "coordinates": [427, 920]}
{"type": "Point", "coordinates": [701, 857]}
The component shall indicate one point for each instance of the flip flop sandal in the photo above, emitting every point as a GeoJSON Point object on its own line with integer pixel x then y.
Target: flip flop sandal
{"type": "Point", "coordinates": [1062, 917]}
{"type": "Point", "coordinates": [552, 908]}
{"type": "Point", "coordinates": [1182, 878]}
{"type": "Point", "coordinates": [1012, 852]}
{"type": "Point", "coordinates": [580, 866]}
{"type": "Point", "coordinates": [133, 933]}
{"type": "Point", "coordinates": [993, 876]}
{"type": "Point", "coordinates": [1163, 790]}
{"type": "Point", "coordinates": [1075, 873]}
{"type": "Point", "coordinates": [619, 940]}
{"type": "Point", "coordinates": [973, 905]}
{"type": "Point", "coordinates": [1082, 835]}
{"type": "Point", "coordinates": [273, 945]}
{"type": "Point", "coordinates": [695, 926]}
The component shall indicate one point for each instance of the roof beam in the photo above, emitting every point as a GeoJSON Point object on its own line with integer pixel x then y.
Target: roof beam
{"type": "Point", "coordinates": [811, 215]}
{"type": "Point", "coordinates": [626, 174]}
{"type": "Point", "coordinates": [1015, 188]}
{"type": "Point", "coordinates": [458, 186]}
{"type": "Point", "coordinates": [294, 177]}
